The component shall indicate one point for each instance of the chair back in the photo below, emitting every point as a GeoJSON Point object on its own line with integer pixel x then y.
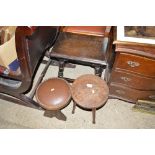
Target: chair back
{"type": "Point", "coordinates": [31, 43]}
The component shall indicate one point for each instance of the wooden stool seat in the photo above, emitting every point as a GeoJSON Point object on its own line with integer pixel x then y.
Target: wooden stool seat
{"type": "Point", "coordinates": [89, 92]}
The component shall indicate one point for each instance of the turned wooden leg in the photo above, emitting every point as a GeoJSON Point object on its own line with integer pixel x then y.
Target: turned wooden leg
{"type": "Point", "coordinates": [74, 106]}
{"type": "Point", "coordinates": [98, 70]}
{"type": "Point", "coordinates": [94, 115]}
{"type": "Point", "coordinates": [61, 68]}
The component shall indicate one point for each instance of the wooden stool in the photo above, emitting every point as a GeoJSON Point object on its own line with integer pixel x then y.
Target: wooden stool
{"type": "Point", "coordinates": [79, 49]}
{"type": "Point", "coordinates": [89, 92]}
{"type": "Point", "coordinates": [53, 94]}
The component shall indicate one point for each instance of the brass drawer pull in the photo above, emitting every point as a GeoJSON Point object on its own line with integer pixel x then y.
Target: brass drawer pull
{"type": "Point", "coordinates": [152, 97]}
{"type": "Point", "coordinates": [133, 64]}
{"type": "Point", "coordinates": [126, 79]}
{"type": "Point", "coordinates": [121, 92]}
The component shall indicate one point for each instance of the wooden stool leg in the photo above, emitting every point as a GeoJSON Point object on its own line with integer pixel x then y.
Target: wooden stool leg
{"type": "Point", "coordinates": [98, 70]}
{"type": "Point", "coordinates": [94, 115]}
{"type": "Point", "coordinates": [61, 68]}
{"type": "Point", "coordinates": [74, 106]}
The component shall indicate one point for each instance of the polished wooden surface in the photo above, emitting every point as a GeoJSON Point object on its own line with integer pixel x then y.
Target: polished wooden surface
{"type": "Point", "coordinates": [133, 80]}
{"type": "Point", "coordinates": [135, 64]}
{"type": "Point", "coordinates": [133, 74]}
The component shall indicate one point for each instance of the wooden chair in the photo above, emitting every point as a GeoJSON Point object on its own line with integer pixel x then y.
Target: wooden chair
{"type": "Point", "coordinates": [31, 44]}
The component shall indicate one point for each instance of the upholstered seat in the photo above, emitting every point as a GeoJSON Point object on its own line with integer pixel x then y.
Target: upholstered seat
{"type": "Point", "coordinates": [53, 94]}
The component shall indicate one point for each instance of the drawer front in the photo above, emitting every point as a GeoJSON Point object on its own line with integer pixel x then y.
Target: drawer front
{"type": "Point", "coordinates": [136, 64]}
{"type": "Point", "coordinates": [133, 80]}
{"type": "Point", "coordinates": [130, 94]}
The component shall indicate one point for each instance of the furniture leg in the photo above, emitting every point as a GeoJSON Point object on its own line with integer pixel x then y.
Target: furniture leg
{"type": "Point", "coordinates": [40, 78]}
{"type": "Point", "coordinates": [94, 115]}
{"type": "Point", "coordinates": [61, 68]}
{"type": "Point", "coordinates": [98, 70]}
{"type": "Point", "coordinates": [74, 106]}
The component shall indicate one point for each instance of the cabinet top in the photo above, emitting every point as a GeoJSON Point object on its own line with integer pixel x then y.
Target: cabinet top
{"type": "Point", "coordinates": [147, 50]}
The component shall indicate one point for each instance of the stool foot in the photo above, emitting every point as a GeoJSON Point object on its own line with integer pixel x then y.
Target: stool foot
{"type": "Point", "coordinates": [74, 106]}
{"type": "Point", "coordinates": [94, 115]}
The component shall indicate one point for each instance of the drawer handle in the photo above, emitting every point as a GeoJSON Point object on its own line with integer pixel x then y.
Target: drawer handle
{"type": "Point", "coordinates": [126, 79]}
{"type": "Point", "coordinates": [152, 96]}
{"type": "Point", "coordinates": [121, 92]}
{"type": "Point", "coordinates": [133, 64]}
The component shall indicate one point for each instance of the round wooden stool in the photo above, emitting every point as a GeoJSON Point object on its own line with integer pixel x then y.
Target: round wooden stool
{"type": "Point", "coordinates": [53, 94]}
{"type": "Point", "coordinates": [89, 92]}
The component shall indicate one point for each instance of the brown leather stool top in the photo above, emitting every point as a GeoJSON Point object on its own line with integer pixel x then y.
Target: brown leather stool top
{"type": "Point", "coordinates": [89, 92]}
{"type": "Point", "coordinates": [53, 94]}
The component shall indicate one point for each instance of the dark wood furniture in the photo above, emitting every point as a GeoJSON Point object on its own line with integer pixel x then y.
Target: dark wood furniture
{"type": "Point", "coordinates": [89, 92]}
{"type": "Point", "coordinates": [80, 48]}
{"type": "Point", "coordinates": [31, 45]}
{"type": "Point", "coordinates": [133, 73]}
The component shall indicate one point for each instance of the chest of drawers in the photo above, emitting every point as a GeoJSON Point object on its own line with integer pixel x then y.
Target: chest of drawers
{"type": "Point", "coordinates": [133, 73]}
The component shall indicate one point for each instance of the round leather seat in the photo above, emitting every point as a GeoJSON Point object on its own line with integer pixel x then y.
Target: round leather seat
{"type": "Point", "coordinates": [53, 94]}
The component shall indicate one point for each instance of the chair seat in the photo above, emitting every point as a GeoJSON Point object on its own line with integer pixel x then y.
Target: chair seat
{"type": "Point", "coordinates": [87, 30]}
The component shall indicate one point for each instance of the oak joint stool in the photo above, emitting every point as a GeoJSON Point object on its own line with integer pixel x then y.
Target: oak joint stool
{"type": "Point", "coordinates": [79, 49]}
